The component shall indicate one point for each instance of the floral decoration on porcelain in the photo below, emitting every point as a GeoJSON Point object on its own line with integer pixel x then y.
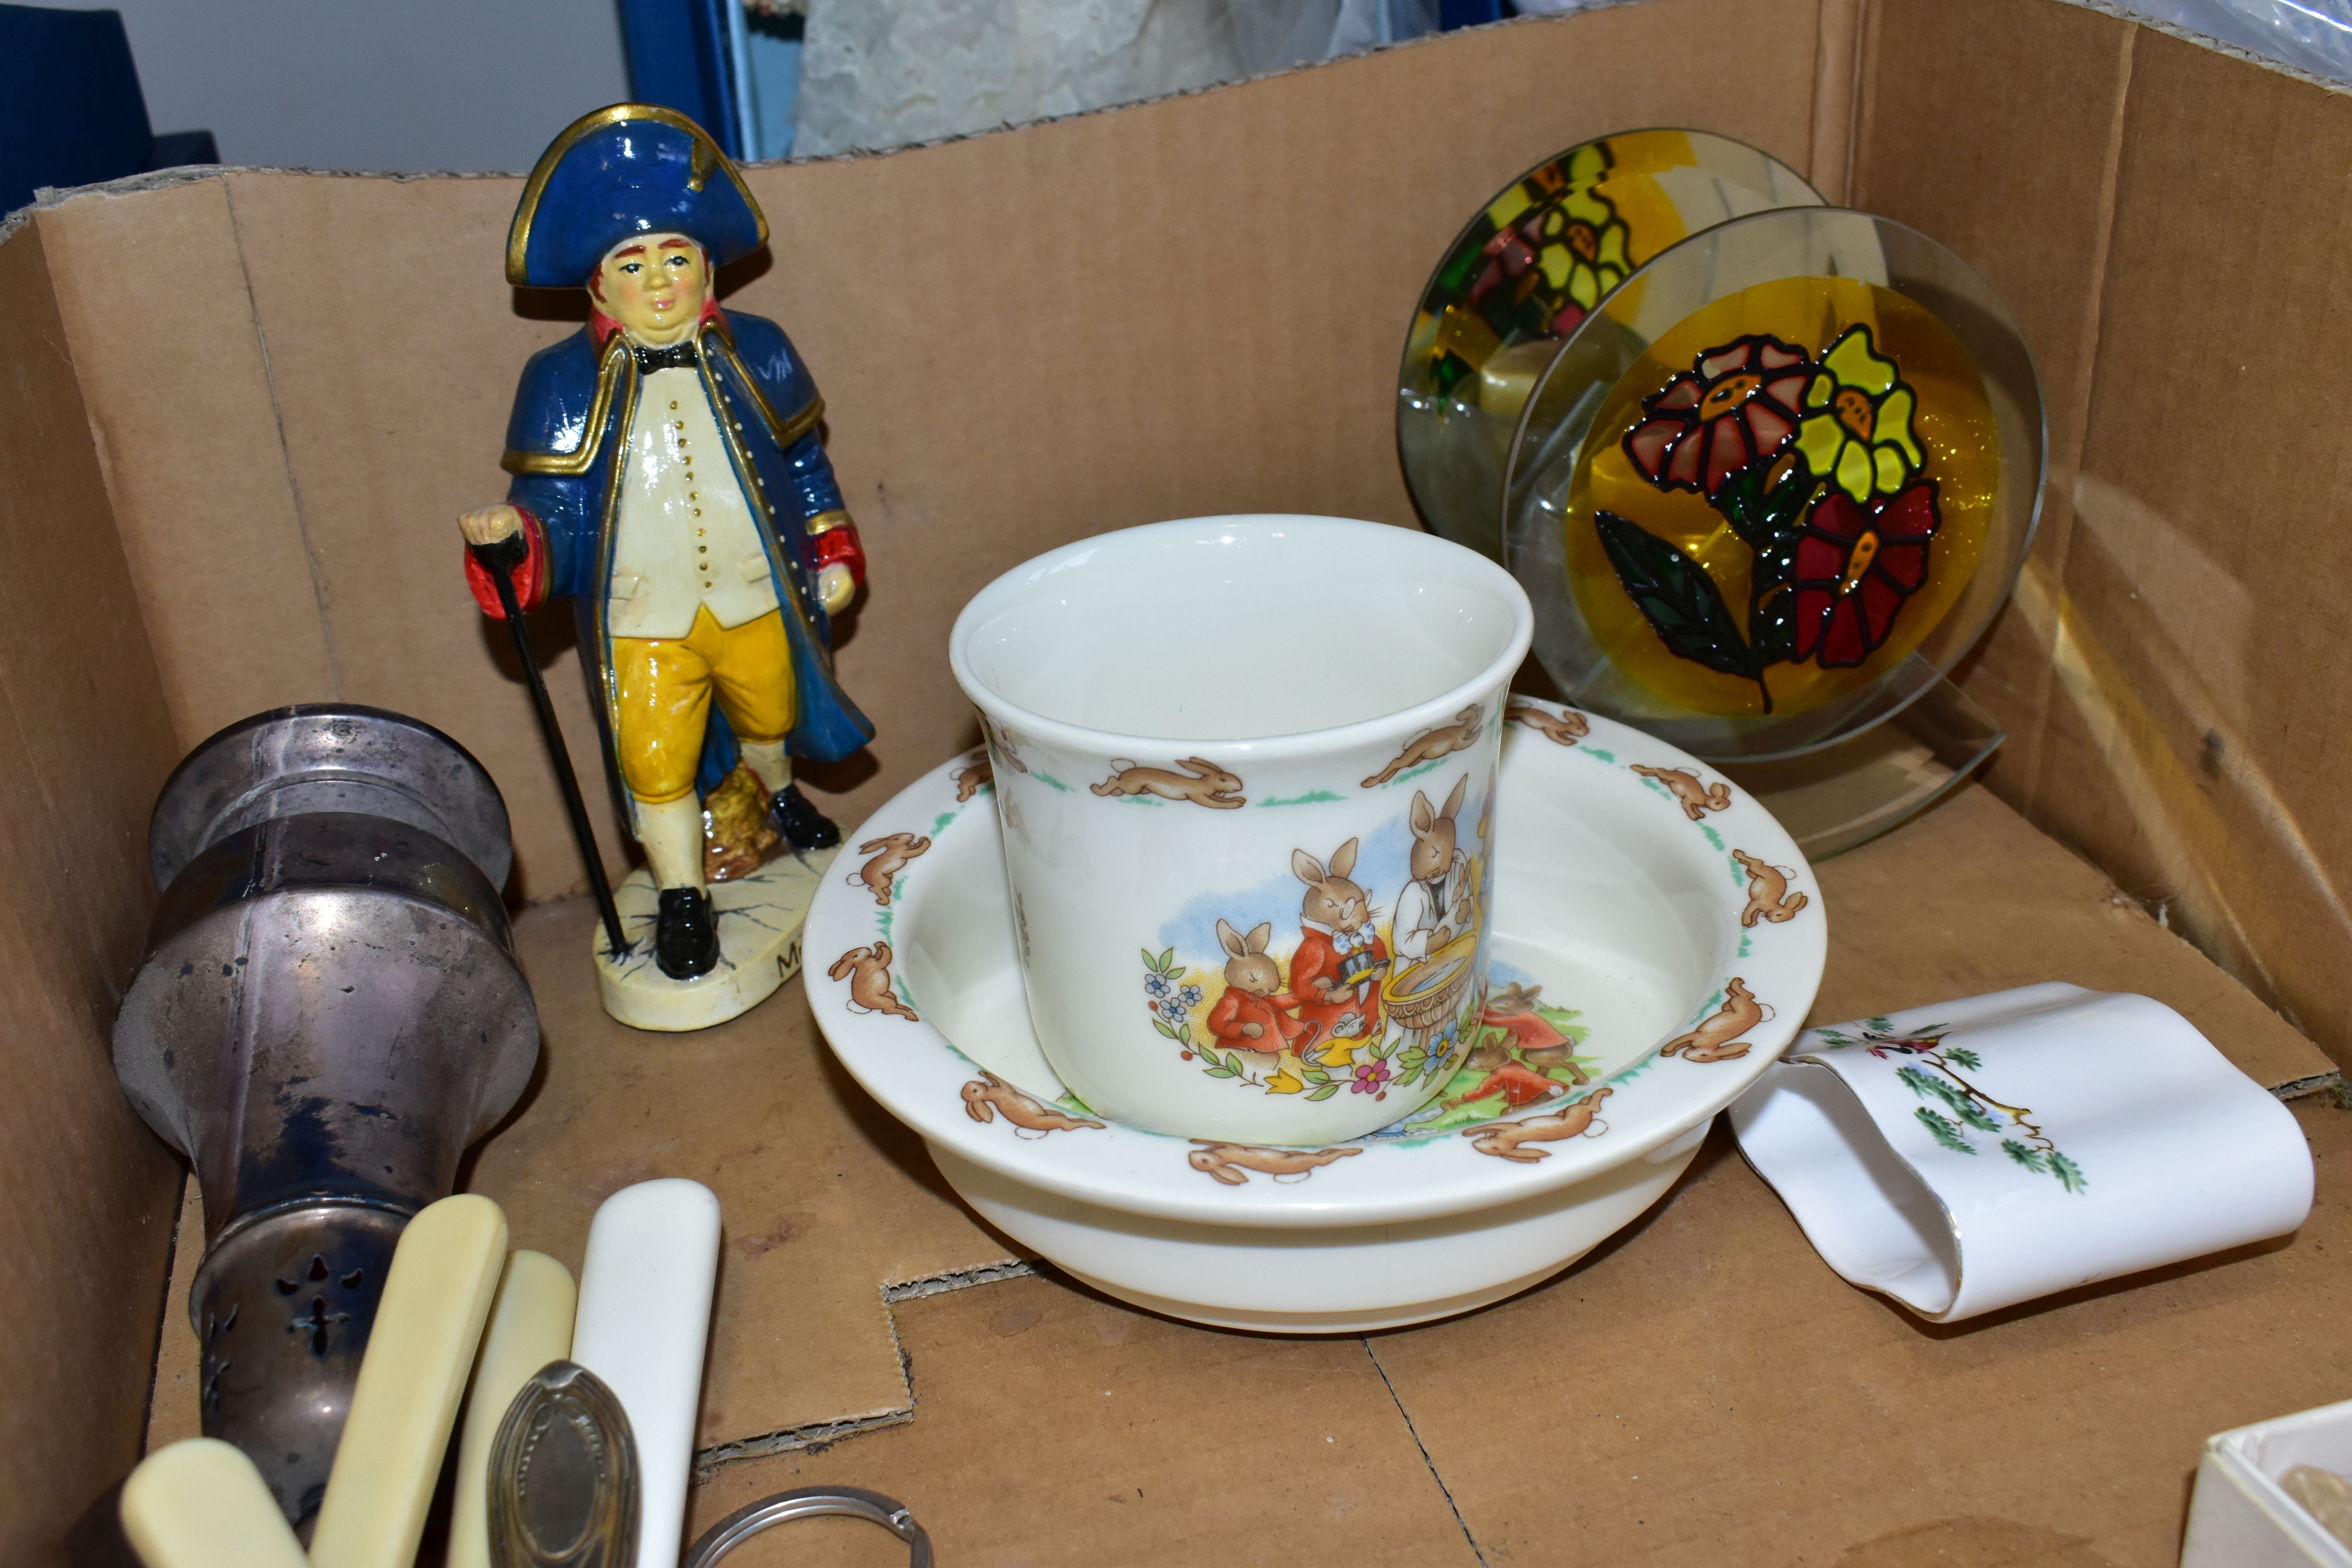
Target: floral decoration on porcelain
{"type": "Point", "coordinates": [1934, 1075]}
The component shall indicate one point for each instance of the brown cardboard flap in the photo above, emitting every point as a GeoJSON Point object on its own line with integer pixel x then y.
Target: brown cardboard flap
{"type": "Point", "coordinates": [2170, 670]}
{"type": "Point", "coordinates": [1185, 307]}
{"type": "Point", "coordinates": [1700, 1389]}
{"type": "Point", "coordinates": [247, 407]}
{"type": "Point", "coordinates": [1970, 898]}
{"type": "Point", "coordinates": [86, 1233]}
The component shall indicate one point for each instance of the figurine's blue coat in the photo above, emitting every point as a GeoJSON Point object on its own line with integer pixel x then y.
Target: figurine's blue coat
{"type": "Point", "coordinates": [552, 408]}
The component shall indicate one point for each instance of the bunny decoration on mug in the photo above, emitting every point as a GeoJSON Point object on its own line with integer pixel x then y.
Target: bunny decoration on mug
{"type": "Point", "coordinates": [1299, 850]}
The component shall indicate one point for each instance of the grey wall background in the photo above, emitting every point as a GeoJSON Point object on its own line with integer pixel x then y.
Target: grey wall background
{"type": "Point", "coordinates": [403, 86]}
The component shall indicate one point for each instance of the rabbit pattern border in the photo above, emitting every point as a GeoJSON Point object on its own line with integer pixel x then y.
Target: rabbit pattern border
{"type": "Point", "coordinates": [1568, 1110]}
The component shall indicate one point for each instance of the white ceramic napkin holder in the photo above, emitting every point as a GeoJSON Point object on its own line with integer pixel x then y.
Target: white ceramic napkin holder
{"type": "Point", "coordinates": [1965, 1157]}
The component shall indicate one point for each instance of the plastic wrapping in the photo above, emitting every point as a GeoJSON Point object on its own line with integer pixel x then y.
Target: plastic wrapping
{"type": "Point", "coordinates": [2312, 35]}
{"type": "Point", "coordinates": [885, 73]}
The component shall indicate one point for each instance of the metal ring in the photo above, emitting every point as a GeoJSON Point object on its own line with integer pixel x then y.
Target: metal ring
{"type": "Point", "coordinates": [807, 1502]}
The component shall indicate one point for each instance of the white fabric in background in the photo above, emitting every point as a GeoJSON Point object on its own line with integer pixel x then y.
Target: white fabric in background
{"type": "Point", "coordinates": [884, 73]}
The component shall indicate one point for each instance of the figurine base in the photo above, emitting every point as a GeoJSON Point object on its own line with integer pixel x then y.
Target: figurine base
{"type": "Point", "coordinates": [759, 920]}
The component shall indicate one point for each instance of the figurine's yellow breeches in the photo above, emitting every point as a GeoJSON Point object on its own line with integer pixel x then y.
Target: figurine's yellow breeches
{"type": "Point", "coordinates": [666, 687]}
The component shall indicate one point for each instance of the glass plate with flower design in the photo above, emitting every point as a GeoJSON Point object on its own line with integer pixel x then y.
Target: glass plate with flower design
{"type": "Point", "coordinates": [1777, 483]}
{"type": "Point", "coordinates": [1525, 272]}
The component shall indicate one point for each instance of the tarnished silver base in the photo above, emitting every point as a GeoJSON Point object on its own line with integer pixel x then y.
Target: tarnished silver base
{"type": "Point", "coordinates": [329, 1013]}
{"type": "Point", "coordinates": [283, 1305]}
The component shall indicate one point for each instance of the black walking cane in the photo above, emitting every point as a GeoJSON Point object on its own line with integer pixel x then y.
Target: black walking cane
{"type": "Point", "coordinates": [499, 559]}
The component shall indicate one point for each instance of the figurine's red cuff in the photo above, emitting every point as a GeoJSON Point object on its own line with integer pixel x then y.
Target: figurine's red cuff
{"type": "Point", "coordinates": [531, 578]}
{"type": "Point", "coordinates": [839, 547]}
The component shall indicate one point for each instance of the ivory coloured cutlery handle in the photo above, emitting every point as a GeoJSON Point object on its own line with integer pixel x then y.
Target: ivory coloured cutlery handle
{"type": "Point", "coordinates": [645, 1318]}
{"type": "Point", "coordinates": [530, 1325]}
{"type": "Point", "coordinates": [201, 1504]}
{"type": "Point", "coordinates": [444, 1273]}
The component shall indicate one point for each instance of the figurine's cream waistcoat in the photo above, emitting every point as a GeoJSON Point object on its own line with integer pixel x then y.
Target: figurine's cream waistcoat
{"type": "Point", "coordinates": [686, 535]}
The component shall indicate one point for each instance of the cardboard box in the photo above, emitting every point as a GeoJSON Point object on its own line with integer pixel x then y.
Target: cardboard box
{"type": "Point", "coordinates": [238, 412]}
{"type": "Point", "coordinates": [2240, 1516]}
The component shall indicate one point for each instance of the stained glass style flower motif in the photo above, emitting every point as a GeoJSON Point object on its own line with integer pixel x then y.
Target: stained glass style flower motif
{"type": "Point", "coordinates": [1854, 567]}
{"type": "Point", "coordinates": [1736, 405]}
{"type": "Point", "coordinates": [1574, 245]}
{"type": "Point", "coordinates": [1371, 1077]}
{"type": "Point", "coordinates": [1857, 427]}
{"type": "Point", "coordinates": [1582, 252]}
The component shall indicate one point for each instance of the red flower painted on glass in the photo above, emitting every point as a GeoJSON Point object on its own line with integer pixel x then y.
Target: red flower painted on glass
{"type": "Point", "coordinates": [1735, 405]}
{"type": "Point", "coordinates": [1854, 567]}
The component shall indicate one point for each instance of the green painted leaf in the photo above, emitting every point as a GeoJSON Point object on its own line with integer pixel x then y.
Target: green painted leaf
{"type": "Point", "coordinates": [1919, 1083]}
{"type": "Point", "coordinates": [1966, 1058]}
{"type": "Point", "coordinates": [2028, 1157]}
{"type": "Point", "coordinates": [1168, 961]}
{"type": "Point", "coordinates": [1221, 1072]}
{"type": "Point", "coordinates": [1961, 1103]}
{"type": "Point", "coordinates": [1326, 1092]}
{"type": "Point", "coordinates": [1762, 514]}
{"type": "Point", "coordinates": [1163, 1028]}
{"type": "Point", "coordinates": [2069, 1175]}
{"type": "Point", "coordinates": [1946, 1132]}
{"type": "Point", "coordinates": [1676, 596]}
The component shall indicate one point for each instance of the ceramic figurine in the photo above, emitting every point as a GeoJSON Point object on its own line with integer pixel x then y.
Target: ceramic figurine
{"type": "Point", "coordinates": [669, 479]}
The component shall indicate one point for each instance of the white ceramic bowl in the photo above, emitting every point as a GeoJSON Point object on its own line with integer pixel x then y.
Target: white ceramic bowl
{"type": "Point", "coordinates": [1651, 904]}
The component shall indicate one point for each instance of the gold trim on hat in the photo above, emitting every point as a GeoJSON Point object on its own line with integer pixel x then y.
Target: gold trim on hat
{"type": "Point", "coordinates": [526, 210]}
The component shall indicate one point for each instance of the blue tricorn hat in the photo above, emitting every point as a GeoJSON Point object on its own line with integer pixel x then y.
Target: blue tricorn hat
{"type": "Point", "coordinates": [635, 168]}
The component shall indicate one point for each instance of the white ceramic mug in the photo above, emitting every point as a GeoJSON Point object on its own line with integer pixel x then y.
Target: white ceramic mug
{"type": "Point", "coordinates": [1246, 767]}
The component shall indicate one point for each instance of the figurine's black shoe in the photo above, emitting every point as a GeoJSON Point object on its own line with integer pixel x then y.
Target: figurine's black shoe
{"type": "Point", "coordinates": [805, 826]}
{"type": "Point", "coordinates": [686, 934]}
